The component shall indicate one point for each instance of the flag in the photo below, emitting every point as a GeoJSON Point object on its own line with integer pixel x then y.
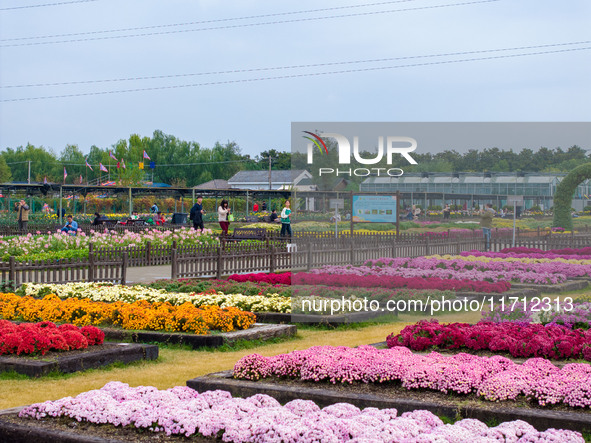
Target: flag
{"type": "Point", "coordinates": [102, 168]}
{"type": "Point", "coordinates": [45, 180]}
{"type": "Point", "coordinates": [112, 156]}
{"type": "Point", "coordinates": [118, 165]}
{"type": "Point", "coordinates": [146, 156]}
{"type": "Point", "coordinates": [80, 179]}
{"type": "Point", "coordinates": [142, 165]}
{"type": "Point", "coordinates": [87, 165]}
{"type": "Point", "coordinates": [65, 173]}
{"type": "Point", "coordinates": [123, 164]}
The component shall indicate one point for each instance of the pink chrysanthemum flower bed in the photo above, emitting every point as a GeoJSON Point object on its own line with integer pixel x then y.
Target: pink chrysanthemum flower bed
{"type": "Point", "coordinates": [260, 418]}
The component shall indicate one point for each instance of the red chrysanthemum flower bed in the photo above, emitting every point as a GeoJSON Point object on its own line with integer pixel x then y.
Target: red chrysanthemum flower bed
{"type": "Point", "coordinates": [31, 338]}
{"type": "Point", "coordinates": [274, 279]}
{"type": "Point", "coordinates": [518, 339]}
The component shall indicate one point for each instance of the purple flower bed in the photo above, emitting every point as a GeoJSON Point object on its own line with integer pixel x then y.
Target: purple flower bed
{"type": "Point", "coordinates": [530, 255]}
{"type": "Point", "coordinates": [518, 339]}
{"type": "Point", "coordinates": [260, 418]}
{"type": "Point", "coordinates": [524, 272]}
{"type": "Point", "coordinates": [450, 269]}
{"type": "Point", "coordinates": [492, 378]}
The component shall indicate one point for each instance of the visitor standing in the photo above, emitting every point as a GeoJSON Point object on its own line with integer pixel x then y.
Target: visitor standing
{"type": "Point", "coordinates": [224, 216]}
{"type": "Point", "coordinates": [23, 215]}
{"type": "Point", "coordinates": [264, 206]}
{"type": "Point", "coordinates": [446, 212]}
{"type": "Point", "coordinates": [486, 220]}
{"type": "Point", "coordinates": [197, 214]}
{"type": "Point", "coordinates": [255, 207]}
{"type": "Point", "coordinates": [285, 220]}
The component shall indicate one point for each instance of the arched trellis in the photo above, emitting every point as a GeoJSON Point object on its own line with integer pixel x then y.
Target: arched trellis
{"type": "Point", "coordinates": [564, 195]}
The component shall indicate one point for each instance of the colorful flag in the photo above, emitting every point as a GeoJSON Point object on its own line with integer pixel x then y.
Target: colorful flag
{"type": "Point", "coordinates": [65, 173]}
{"type": "Point", "coordinates": [142, 165]}
{"type": "Point", "coordinates": [87, 165]}
{"type": "Point", "coordinates": [123, 164]}
{"type": "Point", "coordinates": [45, 180]}
{"type": "Point", "coordinates": [80, 179]}
{"type": "Point", "coordinates": [112, 156]}
{"type": "Point", "coordinates": [102, 168]}
{"type": "Point", "coordinates": [146, 155]}
{"type": "Point", "coordinates": [118, 165]}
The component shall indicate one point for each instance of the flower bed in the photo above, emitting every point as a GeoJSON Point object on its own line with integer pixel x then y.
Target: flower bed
{"type": "Point", "coordinates": [564, 251]}
{"type": "Point", "coordinates": [518, 339]}
{"type": "Point", "coordinates": [512, 257]}
{"type": "Point", "coordinates": [384, 281]}
{"type": "Point", "coordinates": [139, 315]}
{"type": "Point", "coordinates": [105, 292]}
{"type": "Point", "coordinates": [226, 286]}
{"type": "Point", "coordinates": [281, 279]}
{"type": "Point", "coordinates": [33, 338]}
{"type": "Point", "coordinates": [491, 378]}
{"type": "Point", "coordinates": [261, 418]}
{"type": "Point", "coordinates": [573, 314]}
{"type": "Point", "coordinates": [60, 245]}
{"type": "Point", "coordinates": [457, 266]}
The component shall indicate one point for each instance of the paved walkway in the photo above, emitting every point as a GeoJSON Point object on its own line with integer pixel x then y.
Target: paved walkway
{"type": "Point", "coordinates": [147, 274]}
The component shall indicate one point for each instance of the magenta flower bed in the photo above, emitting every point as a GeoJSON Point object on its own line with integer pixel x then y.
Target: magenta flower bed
{"type": "Point", "coordinates": [423, 267]}
{"type": "Point", "coordinates": [492, 378]}
{"type": "Point", "coordinates": [260, 418]}
{"type": "Point", "coordinates": [532, 255]}
{"type": "Point", "coordinates": [518, 339]}
{"type": "Point", "coordinates": [32, 338]}
{"type": "Point", "coordinates": [274, 279]}
{"type": "Point", "coordinates": [382, 281]}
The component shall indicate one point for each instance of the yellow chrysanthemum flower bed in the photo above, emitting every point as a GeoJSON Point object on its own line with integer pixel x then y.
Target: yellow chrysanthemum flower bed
{"type": "Point", "coordinates": [139, 315]}
{"type": "Point", "coordinates": [510, 259]}
{"type": "Point", "coordinates": [107, 292]}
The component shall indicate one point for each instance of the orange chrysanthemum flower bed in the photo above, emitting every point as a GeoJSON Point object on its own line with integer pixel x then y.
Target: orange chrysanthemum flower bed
{"type": "Point", "coordinates": [140, 315]}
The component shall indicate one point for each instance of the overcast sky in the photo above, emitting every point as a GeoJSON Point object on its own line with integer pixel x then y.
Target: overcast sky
{"type": "Point", "coordinates": [258, 114]}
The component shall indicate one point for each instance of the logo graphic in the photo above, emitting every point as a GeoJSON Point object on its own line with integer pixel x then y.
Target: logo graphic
{"type": "Point", "coordinates": [387, 146]}
{"type": "Point", "coordinates": [316, 142]}
{"type": "Point", "coordinates": [344, 147]}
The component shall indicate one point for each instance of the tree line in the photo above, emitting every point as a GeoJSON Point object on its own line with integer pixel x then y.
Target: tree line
{"type": "Point", "coordinates": [187, 163]}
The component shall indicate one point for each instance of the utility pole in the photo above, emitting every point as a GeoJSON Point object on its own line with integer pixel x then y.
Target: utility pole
{"type": "Point", "coordinates": [270, 182]}
{"type": "Point", "coordinates": [29, 179]}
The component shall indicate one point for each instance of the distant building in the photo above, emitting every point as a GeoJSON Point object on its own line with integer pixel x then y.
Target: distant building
{"type": "Point", "coordinates": [439, 188]}
{"type": "Point", "coordinates": [214, 184]}
{"type": "Point", "coordinates": [280, 180]}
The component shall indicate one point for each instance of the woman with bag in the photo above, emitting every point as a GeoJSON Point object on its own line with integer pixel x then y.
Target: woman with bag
{"type": "Point", "coordinates": [224, 216]}
{"type": "Point", "coordinates": [285, 220]}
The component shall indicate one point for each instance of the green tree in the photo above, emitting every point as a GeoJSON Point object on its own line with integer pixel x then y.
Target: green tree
{"type": "Point", "coordinates": [5, 174]}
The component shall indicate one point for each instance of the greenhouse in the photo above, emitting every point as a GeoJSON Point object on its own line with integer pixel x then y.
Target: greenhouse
{"type": "Point", "coordinates": [537, 189]}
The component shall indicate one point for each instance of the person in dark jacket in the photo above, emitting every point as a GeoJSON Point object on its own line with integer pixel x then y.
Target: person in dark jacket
{"type": "Point", "coordinates": [197, 214]}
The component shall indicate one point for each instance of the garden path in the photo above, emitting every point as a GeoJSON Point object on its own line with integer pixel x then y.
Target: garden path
{"type": "Point", "coordinates": [147, 274]}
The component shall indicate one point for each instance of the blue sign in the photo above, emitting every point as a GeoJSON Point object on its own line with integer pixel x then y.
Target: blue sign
{"type": "Point", "coordinates": [374, 208]}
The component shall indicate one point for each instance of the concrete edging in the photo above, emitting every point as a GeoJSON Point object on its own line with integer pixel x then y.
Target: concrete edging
{"type": "Point", "coordinates": [539, 418]}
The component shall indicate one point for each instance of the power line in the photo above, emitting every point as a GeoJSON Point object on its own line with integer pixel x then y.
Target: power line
{"type": "Point", "coordinates": [46, 4]}
{"type": "Point", "coordinates": [276, 68]}
{"type": "Point", "coordinates": [290, 76]}
{"type": "Point", "coordinates": [203, 22]}
{"type": "Point", "coordinates": [275, 22]}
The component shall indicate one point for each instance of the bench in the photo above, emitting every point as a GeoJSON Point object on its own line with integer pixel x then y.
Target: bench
{"type": "Point", "coordinates": [248, 234]}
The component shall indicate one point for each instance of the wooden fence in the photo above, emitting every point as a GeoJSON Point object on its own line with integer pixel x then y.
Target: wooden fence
{"type": "Point", "coordinates": [13, 274]}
